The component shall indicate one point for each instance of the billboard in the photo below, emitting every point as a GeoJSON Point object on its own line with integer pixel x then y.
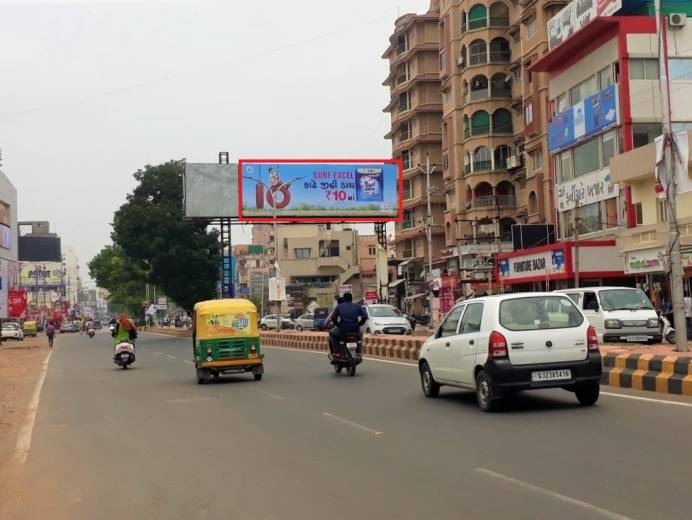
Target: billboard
{"type": "Point", "coordinates": [16, 303]}
{"type": "Point", "coordinates": [316, 190]}
{"type": "Point", "coordinates": [39, 249]}
{"type": "Point", "coordinates": [590, 116]}
{"type": "Point", "coordinates": [210, 190]}
{"type": "Point", "coordinates": [575, 16]}
{"type": "Point", "coordinates": [41, 274]}
{"type": "Point", "coordinates": [545, 263]}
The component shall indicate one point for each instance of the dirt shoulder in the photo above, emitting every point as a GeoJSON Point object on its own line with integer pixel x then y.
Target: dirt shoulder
{"type": "Point", "coordinates": [20, 369]}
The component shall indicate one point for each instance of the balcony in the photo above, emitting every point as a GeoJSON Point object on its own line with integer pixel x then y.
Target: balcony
{"type": "Point", "coordinates": [502, 201]}
{"type": "Point", "coordinates": [479, 166]}
{"type": "Point", "coordinates": [332, 261]}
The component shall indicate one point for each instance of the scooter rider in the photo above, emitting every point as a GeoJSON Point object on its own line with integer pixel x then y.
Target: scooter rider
{"type": "Point", "coordinates": [348, 317]}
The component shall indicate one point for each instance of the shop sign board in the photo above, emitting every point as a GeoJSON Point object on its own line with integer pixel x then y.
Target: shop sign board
{"type": "Point", "coordinates": [576, 15]}
{"type": "Point", "coordinates": [591, 116]}
{"type": "Point", "coordinates": [277, 289]}
{"type": "Point", "coordinates": [585, 190]}
{"type": "Point", "coordinates": [546, 263]}
{"type": "Point", "coordinates": [645, 261]}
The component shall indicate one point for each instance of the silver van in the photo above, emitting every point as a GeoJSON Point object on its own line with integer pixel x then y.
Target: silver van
{"type": "Point", "coordinates": [619, 314]}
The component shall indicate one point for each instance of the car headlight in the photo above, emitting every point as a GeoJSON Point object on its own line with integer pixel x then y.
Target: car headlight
{"type": "Point", "coordinates": [613, 324]}
{"type": "Point", "coordinates": [652, 323]}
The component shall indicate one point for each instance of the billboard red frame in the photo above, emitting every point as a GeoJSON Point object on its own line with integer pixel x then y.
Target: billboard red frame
{"type": "Point", "coordinates": [285, 219]}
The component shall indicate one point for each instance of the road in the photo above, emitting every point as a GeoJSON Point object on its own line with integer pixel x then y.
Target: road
{"type": "Point", "coordinates": [304, 443]}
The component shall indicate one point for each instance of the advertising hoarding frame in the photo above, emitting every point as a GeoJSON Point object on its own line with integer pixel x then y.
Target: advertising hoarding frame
{"type": "Point", "coordinates": [204, 180]}
{"type": "Point", "coordinates": [283, 218]}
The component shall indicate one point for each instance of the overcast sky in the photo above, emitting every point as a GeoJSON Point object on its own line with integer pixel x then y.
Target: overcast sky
{"type": "Point", "coordinates": [91, 91]}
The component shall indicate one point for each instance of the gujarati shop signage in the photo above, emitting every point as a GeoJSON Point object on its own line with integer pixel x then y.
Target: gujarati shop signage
{"type": "Point", "coordinates": [576, 15]}
{"type": "Point", "coordinates": [548, 262]}
{"type": "Point", "coordinates": [585, 190]}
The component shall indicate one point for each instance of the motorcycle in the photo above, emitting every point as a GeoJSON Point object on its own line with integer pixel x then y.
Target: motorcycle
{"type": "Point", "coordinates": [91, 333]}
{"type": "Point", "coordinates": [422, 319]}
{"type": "Point", "coordinates": [667, 328]}
{"type": "Point", "coordinates": [350, 353]}
{"type": "Point", "coordinates": [124, 354]}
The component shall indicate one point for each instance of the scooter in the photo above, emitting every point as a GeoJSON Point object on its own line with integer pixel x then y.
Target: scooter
{"type": "Point", "coordinates": [124, 354]}
{"type": "Point", "coordinates": [349, 353]}
{"type": "Point", "coordinates": [667, 329]}
{"type": "Point", "coordinates": [91, 333]}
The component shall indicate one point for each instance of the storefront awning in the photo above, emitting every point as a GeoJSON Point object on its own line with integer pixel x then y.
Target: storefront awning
{"type": "Point", "coordinates": [395, 283]}
{"type": "Point", "coordinates": [415, 296]}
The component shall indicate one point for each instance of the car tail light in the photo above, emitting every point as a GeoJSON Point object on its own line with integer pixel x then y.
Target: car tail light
{"type": "Point", "coordinates": [591, 338]}
{"type": "Point", "coordinates": [497, 345]}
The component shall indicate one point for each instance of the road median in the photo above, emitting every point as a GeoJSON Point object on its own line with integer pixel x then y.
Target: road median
{"type": "Point", "coordinates": [653, 369]}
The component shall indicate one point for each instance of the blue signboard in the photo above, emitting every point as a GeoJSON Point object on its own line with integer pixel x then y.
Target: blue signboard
{"type": "Point", "coordinates": [229, 276]}
{"type": "Point", "coordinates": [309, 190]}
{"type": "Point", "coordinates": [590, 116]}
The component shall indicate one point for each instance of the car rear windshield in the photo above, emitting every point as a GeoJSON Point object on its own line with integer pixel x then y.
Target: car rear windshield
{"type": "Point", "coordinates": [539, 312]}
{"type": "Point", "coordinates": [624, 299]}
{"type": "Point", "coordinates": [384, 312]}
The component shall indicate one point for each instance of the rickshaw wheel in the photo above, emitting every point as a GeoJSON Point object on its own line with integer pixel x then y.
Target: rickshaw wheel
{"type": "Point", "coordinates": [337, 369]}
{"type": "Point", "coordinates": [258, 377]}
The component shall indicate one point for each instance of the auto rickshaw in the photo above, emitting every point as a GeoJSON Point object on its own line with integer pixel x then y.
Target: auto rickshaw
{"type": "Point", "coordinates": [225, 339]}
{"type": "Point", "coordinates": [30, 328]}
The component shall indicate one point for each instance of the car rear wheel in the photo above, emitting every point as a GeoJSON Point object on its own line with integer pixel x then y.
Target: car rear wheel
{"type": "Point", "coordinates": [484, 392]}
{"type": "Point", "coordinates": [427, 381]}
{"type": "Point", "coordinates": [263, 326]}
{"type": "Point", "coordinates": [299, 328]}
{"type": "Point", "coordinates": [587, 394]}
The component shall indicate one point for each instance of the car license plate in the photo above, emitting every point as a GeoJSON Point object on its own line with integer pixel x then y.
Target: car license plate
{"type": "Point", "coordinates": [352, 345]}
{"type": "Point", "coordinates": [124, 356]}
{"type": "Point", "coordinates": [635, 339]}
{"type": "Point", "coordinates": [550, 375]}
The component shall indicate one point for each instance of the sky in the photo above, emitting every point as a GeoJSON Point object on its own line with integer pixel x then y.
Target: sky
{"type": "Point", "coordinates": [90, 91]}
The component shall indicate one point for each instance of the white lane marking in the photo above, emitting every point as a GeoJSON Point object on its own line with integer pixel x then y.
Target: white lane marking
{"type": "Point", "coordinates": [188, 362]}
{"type": "Point", "coordinates": [190, 399]}
{"type": "Point", "coordinates": [23, 445]}
{"type": "Point", "coordinates": [271, 394]}
{"type": "Point", "coordinates": [171, 357]}
{"type": "Point", "coordinates": [647, 399]}
{"type": "Point", "coordinates": [351, 423]}
{"type": "Point", "coordinates": [158, 353]}
{"type": "Point", "coordinates": [564, 498]}
{"type": "Point", "coordinates": [364, 357]}
{"type": "Point", "coordinates": [167, 335]}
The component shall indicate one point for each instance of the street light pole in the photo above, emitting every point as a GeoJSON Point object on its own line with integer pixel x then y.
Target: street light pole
{"type": "Point", "coordinates": [428, 227]}
{"type": "Point", "coordinates": [669, 181]}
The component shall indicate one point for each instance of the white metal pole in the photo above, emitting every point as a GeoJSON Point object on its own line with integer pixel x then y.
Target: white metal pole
{"type": "Point", "coordinates": [676, 270]}
{"type": "Point", "coordinates": [428, 229]}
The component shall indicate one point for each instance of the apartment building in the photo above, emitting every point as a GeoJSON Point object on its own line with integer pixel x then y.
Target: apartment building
{"type": "Point", "coordinates": [416, 111]}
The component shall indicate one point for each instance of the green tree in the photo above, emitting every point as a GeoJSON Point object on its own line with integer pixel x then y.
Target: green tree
{"type": "Point", "coordinates": [122, 276]}
{"type": "Point", "coordinates": [179, 256]}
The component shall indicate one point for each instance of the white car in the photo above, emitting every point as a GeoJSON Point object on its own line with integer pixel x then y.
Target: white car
{"type": "Point", "coordinates": [12, 330]}
{"type": "Point", "coordinates": [385, 319]}
{"type": "Point", "coordinates": [269, 322]}
{"type": "Point", "coordinates": [500, 344]}
{"type": "Point", "coordinates": [305, 322]}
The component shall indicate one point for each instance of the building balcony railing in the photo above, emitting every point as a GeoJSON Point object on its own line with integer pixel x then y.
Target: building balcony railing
{"type": "Point", "coordinates": [482, 166]}
{"type": "Point", "coordinates": [500, 56]}
{"type": "Point", "coordinates": [478, 23]}
{"type": "Point", "coordinates": [478, 59]}
{"type": "Point", "coordinates": [499, 21]}
{"type": "Point", "coordinates": [502, 201]}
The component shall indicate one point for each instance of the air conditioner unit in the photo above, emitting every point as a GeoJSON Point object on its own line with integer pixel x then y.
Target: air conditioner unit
{"type": "Point", "coordinates": [460, 61]}
{"type": "Point", "coordinates": [677, 19]}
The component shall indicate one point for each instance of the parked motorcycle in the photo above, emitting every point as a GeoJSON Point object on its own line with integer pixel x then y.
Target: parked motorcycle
{"type": "Point", "coordinates": [349, 353]}
{"type": "Point", "coordinates": [667, 327]}
{"type": "Point", "coordinates": [124, 354]}
{"type": "Point", "coordinates": [422, 319]}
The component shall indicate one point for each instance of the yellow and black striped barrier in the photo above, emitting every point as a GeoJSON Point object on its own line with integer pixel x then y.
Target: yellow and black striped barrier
{"type": "Point", "coordinates": [664, 374]}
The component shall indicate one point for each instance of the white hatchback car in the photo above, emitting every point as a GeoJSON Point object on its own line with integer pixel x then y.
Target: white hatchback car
{"type": "Point", "coordinates": [499, 344]}
{"type": "Point", "coordinates": [385, 319]}
{"type": "Point", "coordinates": [12, 330]}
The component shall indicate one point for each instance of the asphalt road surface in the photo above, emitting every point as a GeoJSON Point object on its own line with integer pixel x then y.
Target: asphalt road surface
{"type": "Point", "coordinates": [304, 443]}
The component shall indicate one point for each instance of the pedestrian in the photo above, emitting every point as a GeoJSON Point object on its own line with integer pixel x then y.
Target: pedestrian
{"type": "Point", "coordinates": [50, 332]}
{"type": "Point", "coordinates": [687, 303]}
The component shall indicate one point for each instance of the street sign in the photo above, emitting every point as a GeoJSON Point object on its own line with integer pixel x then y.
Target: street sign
{"type": "Point", "coordinates": [277, 289]}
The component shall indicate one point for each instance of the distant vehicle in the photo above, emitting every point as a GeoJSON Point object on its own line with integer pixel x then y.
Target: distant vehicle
{"type": "Point", "coordinates": [68, 326]}
{"type": "Point", "coordinates": [12, 330]}
{"type": "Point", "coordinates": [497, 345]}
{"type": "Point", "coordinates": [385, 319]}
{"type": "Point", "coordinates": [305, 322]}
{"type": "Point", "coordinates": [98, 324]}
{"type": "Point", "coordinates": [30, 328]}
{"type": "Point", "coordinates": [618, 313]}
{"type": "Point", "coordinates": [320, 317]}
{"type": "Point", "coordinates": [269, 322]}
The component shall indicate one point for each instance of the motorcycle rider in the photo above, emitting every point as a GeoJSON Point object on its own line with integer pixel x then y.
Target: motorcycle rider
{"type": "Point", "coordinates": [348, 318]}
{"type": "Point", "coordinates": [124, 330]}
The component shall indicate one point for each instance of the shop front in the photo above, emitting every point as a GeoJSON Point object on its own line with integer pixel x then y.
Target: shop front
{"type": "Point", "coordinates": [650, 268]}
{"type": "Point", "coordinates": [555, 267]}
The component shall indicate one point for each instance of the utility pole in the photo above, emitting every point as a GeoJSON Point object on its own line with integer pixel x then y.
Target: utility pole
{"type": "Point", "coordinates": [575, 230]}
{"type": "Point", "coordinates": [675, 256]}
{"type": "Point", "coordinates": [428, 227]}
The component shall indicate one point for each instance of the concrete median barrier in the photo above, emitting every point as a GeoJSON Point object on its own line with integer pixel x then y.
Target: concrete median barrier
{"type": "Point", "coordinates": [665, 374]}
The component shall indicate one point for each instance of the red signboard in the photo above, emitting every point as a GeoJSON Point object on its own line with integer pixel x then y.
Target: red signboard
{"type": "Point", "coordinates": [371, 295]}
{"type": "Point", "coordinates": [447, 293]}
{"type": "Point", "coordinates": [16, 303]}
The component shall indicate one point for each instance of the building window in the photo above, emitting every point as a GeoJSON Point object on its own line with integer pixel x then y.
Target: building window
{"type": "Point", "coordinates": [561, 103]}
{"type": "Point", "coordinates": [610, 147]}
{"type": "Point", "coordinates": [329, 248]}
{"type": "Point", "coordinates": [662, 210]}
{"type": "Point", "coordinates": [605, 77]}
{"type": "Point", "coordinates": [478, 17]}
{"type": "Point", "coordinates": [680, 69]}
{"type": "Point", "coordinates": [537, 159]}
{"type": "Point", "coordinates": [478, 52]}
{"type": "Point", "coordinates": [405, 131]}
{"type": "Point", "coordinates": [528, 113]}
{"type": "Point", "coordinates": [404, 101]}
{"type": "Point", "coordinates": [443, 60]}
{"type": "Point", "coordinates": [676, 127]}
{"type": "Point", "coordinates": [302, 252]}
{"type": "Point", "coordinates": [531, 26]}
{"type": "Point", "coordinates": [563, 167]}
{"type": "Point", "coordinates": [402, 43]}
{"type": "Point", "coordinates": [586, 158]}
{"type": "Point", "coordinates": [406, 159]}
{"type": "Point", "coordinates": [638, 213]}
{"type": "Point", "coordinates": [643, 68]}
{"type": "Point", "coordinates": [583, 90]}
{"type": "Point", "coordinates": [645, 133]}
{"type": "Point", "coordinates": [372, 250]}
{"type": "Point", "coordinates": [591, 217]}
{"type": "Point", "coordinates": [445, 162]}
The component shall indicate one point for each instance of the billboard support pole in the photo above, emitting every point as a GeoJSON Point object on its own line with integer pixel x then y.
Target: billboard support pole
{"type": "Point", "coordinates": [428, 229]}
